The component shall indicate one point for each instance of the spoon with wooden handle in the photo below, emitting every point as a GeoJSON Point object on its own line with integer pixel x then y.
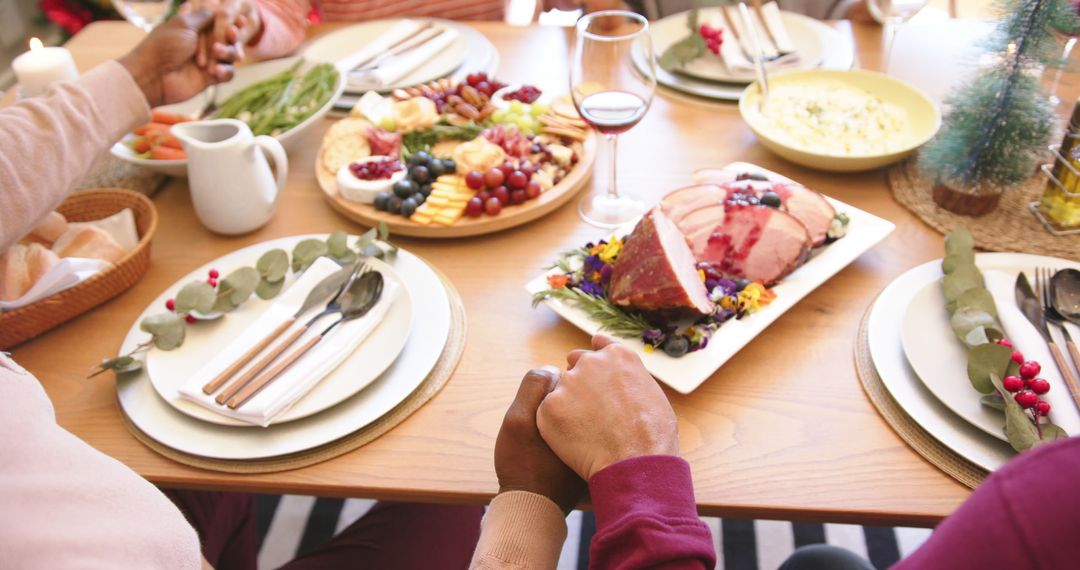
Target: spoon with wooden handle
{"type": "Point", "coordinates": [357, 301]}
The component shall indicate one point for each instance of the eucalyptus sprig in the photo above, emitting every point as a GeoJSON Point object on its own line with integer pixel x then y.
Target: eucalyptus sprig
{"type": "Point", "coordinates": [974, 321]}
{"type": "Point", "coordinates": [685, 50]}
{"type": "Point", "coordinates": [265, 280]}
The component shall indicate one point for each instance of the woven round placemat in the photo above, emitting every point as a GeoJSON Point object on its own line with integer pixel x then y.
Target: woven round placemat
{"type": "Point", "coordinates": [436, 379]}
{"type": "Point", "coordinates": [915, 436]}
{"type": "Point", "coordinates": [1011, 227]}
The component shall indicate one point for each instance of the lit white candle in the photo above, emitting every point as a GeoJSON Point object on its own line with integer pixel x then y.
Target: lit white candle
{"type": "Point", "coordinates": [42, 66]}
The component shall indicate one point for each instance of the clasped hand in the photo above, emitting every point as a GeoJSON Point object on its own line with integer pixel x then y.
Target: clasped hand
{"type": "Point", "coordinates": [562, 428]}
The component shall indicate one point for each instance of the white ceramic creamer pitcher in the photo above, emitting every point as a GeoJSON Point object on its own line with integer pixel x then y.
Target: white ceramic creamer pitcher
{"type": "Point", "coordinates": [232, 187]}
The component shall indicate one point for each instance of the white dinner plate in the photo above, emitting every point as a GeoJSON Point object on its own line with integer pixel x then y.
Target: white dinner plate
{"type": "Point", "coordinates": [430, 329]}
{"type": "Point", "coordinates": [939, 360]}
{"type": "Point", "coordinates": [887, 353]}
{"type": "Point", "coordinates": [686, 373]}
{"type": "Point", "coordinates": [836, 52]}
{"type": "Point", "coordinates": [244, 76]}
{"type": "Point", "coordinates": [339, 44]}
{"type": "Point", "coordinates": [806, 35]}
{"type": "Point", "coordinates": [169, 370]}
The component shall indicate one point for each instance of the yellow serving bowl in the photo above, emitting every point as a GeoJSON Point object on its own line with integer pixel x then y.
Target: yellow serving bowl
{"type": "Point", "coordinates": [923, 118]}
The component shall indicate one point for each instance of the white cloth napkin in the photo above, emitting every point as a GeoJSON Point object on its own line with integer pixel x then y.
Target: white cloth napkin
{"type": "Point", "coordinates": [395, 68]}
{"type": "Point", "coordinates": [69, 272]}
{"type": "Point", "coordinates": [733, 50]}
{"type": "Point", "coordinates": [309, 370]}
{"type": "Point", "coordinates": [1026, 338]}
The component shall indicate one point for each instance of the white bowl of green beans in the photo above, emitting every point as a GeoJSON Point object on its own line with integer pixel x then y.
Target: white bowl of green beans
{"type": "Point", "coordinates": [283, 98]}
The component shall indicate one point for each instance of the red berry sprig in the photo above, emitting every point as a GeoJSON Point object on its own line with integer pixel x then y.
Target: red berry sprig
{"type": "Point", "coordinates": [211, 279]}
{"type": "Point", "coordinates": [1026, 388]}
{"type": "Point", "coordinates": [714, 37]}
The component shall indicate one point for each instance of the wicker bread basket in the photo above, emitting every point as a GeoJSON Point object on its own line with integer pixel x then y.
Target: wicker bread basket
{"type": "Point", "coordinates": [25, 323]}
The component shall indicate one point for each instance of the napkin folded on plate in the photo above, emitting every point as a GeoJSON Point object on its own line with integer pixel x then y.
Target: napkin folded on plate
{"type": "Point", "coordinates": [304, 374]}
{"type": "Point", "coordinates": [395, 67]}
{"type": "Point", "coordinates": [736, 45]}
{"type": "Point", "coordinates": [71, 271]}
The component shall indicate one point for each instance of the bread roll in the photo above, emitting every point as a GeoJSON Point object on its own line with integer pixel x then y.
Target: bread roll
{"type": "Point", "coordinates": [14, 274]}
{"type": "Point", "coordinates": [39, 260]}
{"type": "Point", "coordinates": [90, 242]}
{"type": "Point", "coordinates": [50, 228]}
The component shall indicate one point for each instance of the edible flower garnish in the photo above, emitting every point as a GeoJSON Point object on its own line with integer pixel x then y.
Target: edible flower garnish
{"type": "Point", "coordinates": [581, 278]}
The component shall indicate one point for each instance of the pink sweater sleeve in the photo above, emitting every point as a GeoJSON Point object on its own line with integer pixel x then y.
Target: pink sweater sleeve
{"type": "Point", "coordinates": [521, 531]}
{"type": "Point", "coordinates": [284, 27]}
{"type": "Point", "coordinates": [64, 504]}
{"type": "Point", "coordinates": [48, 143]}
{"type": "Point", "coordinates": [646, 517]}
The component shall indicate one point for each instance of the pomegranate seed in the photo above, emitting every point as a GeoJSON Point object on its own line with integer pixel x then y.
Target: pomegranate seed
{"type": "Point", "coordinates": [170, 304]}
{"type": "Point", "coordinates": [1030, 369]}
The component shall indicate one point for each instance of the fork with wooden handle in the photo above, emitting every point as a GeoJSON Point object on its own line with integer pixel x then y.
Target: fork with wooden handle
{"type": "Point", "coordinates": [358, 300]}
{"type": "Point", "coordinates": [330, 287]}
{"type": "Point", "coordinates": [1042, 288]}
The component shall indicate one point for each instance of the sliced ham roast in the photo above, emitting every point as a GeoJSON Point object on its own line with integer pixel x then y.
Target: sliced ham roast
{"type": "Point", "coordinates": [756, 242]}
{"type": "Point", "coordinates": [656, 270]}
{"type": "Point", "coordinates": [681, 202]}
{"type": "Point", "coordinates": [808, 206]}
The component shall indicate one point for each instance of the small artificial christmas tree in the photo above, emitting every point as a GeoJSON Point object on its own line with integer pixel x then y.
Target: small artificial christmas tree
{"type": "Point", "coordinates": [999, 123]}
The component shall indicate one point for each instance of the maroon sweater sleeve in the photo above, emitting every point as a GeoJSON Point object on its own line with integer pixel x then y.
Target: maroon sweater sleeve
{"type": "Point", "coordinates": [646, 517]}
{"type": "Point", "coordinates": [1025, 515]}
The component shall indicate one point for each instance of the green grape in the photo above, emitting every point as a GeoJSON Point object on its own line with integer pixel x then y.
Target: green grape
{"type": "Point", "coordinates": [539, 109]}
{"type": "Point", "coordinates": [388, 124]}
{"type": "Point", "coordinates": [516, 107]}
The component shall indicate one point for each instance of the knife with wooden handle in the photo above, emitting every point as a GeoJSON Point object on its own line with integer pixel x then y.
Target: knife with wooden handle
{"type": "Point", "coordinates": [1029, 305]}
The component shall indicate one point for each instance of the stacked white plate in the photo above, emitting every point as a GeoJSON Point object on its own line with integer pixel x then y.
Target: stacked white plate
{"type": "Point", "coordinates": [819, 46]}
{"type": "Point", "coordinates": [471, 52]}
{"type": "Point", "coordinates": [924, 366]}
{"type": "Point", "coordinates": [367, 385]}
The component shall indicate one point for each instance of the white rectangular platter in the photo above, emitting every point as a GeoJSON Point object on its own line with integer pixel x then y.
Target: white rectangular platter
{"type": "Point", "coordinates": [686, 373]}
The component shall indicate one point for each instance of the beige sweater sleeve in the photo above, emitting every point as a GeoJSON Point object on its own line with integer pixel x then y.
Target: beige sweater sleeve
{"type": "Point", "coordinates": [48, 143]}
{"type": "Point", "coordinates": [521, 531]}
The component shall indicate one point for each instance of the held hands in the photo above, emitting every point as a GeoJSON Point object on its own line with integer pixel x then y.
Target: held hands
{"type": "Point", "coordinates": [561, 429]}
{"type": "Point", "coordinates": [243, 16]}
{"type": "Point", "coordinates": [164, 63]}
{"type": "Point", "coordinates": [523, 462]}
{"type": "Point", "coordinates": [606, 408]}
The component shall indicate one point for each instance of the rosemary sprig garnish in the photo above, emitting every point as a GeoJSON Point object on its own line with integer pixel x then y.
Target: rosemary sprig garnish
{"type": "Point", "coordinates": [617, 321]}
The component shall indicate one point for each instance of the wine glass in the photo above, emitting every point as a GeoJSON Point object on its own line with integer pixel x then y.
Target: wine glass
{"type": "Point", "coordinates": [612, 97]}
{"type": "Point", "coordinates": [146, 14]}
{"type": "Point", "coordinates": [892, 14]}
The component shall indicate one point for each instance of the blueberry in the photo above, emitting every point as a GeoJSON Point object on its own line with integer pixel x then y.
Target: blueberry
{"type": "Point", "coordinates": [757, 176]}
{"type": "Point", "coordinates": [419, 198]}
{"type": "Point", "coordinates": [404, 188]}
{"type": "Point", "coordinates": [425, 189]}
{"type": "Point", "coordinates": [420, 158]}
{"type": "Point", "coordinates": [770, 199]}
{"type": "Point", "coordinates": [408, 207]}
{"type": "Point", "coordinates": [381, 200]}
{"type": "Point", "coordinates": [449, 165]}
{"type": "Point", "coordinates": [393, 205]}
{"type": "Point", "coordinates": [676, 346]}
{"type": "Point", "coordinates": [420, 174]}
{"type": "Point", "coordinates": [436, 168]}
{"type": "Point", "coordinates": [741, 283]}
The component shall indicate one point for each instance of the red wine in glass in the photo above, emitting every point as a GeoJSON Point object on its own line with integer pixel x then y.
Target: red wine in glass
{"type": "Point", "coordinates": [612, 112]}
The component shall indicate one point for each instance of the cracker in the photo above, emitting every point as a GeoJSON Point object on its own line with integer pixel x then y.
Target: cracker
{"type": "Point", "coordinates": [345, 128]}
{"type": "Point", "coordinates": [338, 153]}
{"type": "Point", "coordinates": [564, 132]}
{"type": "Point", "coordinates": [563, 106]}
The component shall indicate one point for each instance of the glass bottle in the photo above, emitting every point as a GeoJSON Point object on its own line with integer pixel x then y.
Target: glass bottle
{"type": "Point", "coordinates": [1060, 202]}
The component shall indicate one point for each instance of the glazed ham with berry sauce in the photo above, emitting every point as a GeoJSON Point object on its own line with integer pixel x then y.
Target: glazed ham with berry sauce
{"type": "Point", "coordinates": [806, 205]}
{"type": "Point", "coordinates": [739, 238]}
{"type": "Point", "coordinates": [656, 270]}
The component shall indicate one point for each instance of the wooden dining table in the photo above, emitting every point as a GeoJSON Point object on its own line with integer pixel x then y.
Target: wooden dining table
{"type": "Point", "coordinates": [782, 431]}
